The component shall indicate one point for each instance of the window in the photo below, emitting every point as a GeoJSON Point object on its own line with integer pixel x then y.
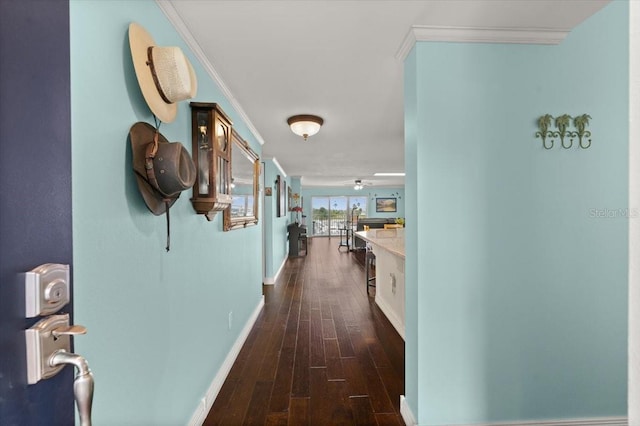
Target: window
{"type": "Point", "coordinates": [332, 213]}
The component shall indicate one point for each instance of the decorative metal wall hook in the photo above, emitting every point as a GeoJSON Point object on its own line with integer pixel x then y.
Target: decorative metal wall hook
{"type": "Point", "coordinates": [562, 123]}
{"type": "Point", "coordinates": [543, 124]}
{"type": "Point", "coordinates": [580, 122]}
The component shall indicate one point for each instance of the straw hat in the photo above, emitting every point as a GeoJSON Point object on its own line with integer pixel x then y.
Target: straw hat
{"type": "Point", "coordinates": [163, 169]}
{"type": "Point", "coordinates": [165, 75]}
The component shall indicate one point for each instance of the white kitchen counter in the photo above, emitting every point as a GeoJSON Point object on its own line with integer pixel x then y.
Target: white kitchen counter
{"type": "Point", "coordinates": [389, 239]}
{"type": "Point", "coordinates": [388, 247]}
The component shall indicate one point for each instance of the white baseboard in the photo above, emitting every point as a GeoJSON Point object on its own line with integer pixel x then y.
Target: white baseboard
{"type": "Point", "coordinates": [409, 420]}
{"type": "Point", "coordinates": [391, 316]}
{"type": "Point", "coordinates": [272, 280]}
{"type": "Point", "coordinates": [206, 402]}
{"type": "Point", "coordinates": [600, 421]}
{"type": "Point", "coordinates": [406, 413]}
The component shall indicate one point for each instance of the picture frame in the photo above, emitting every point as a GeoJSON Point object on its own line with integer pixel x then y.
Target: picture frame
{"type": "Point", "coordinates": [283, 199]}
{"type": "Point", "coordinates": [386, 205]}
{"type": "Point", "coordinates": [281, 187]}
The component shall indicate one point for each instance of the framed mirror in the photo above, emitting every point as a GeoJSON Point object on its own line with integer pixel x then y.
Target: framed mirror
{"type": "Point", "coordinates": [245, 178]}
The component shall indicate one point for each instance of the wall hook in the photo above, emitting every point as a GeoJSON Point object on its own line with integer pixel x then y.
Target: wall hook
{"type": "Point", "coordinates": [562, 123]}
{"type": "Point", "coordinates": [580, 122]}
{"type": "Point", "coordinates": [543, 124]}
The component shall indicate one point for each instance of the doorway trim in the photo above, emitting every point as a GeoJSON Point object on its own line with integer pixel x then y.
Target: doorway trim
{"type": "Point", "coordinates": [634, 209]}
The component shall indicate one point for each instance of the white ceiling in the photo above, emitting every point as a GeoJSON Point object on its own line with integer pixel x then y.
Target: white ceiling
{"type": "Point", "coordinates": [337, 59]}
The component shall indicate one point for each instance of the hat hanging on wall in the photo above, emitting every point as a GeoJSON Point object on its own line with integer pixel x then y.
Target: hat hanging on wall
{"type": "Point", "coordinates": [163, 169]}
{"type": "Point", "coordinates": [165, 75]}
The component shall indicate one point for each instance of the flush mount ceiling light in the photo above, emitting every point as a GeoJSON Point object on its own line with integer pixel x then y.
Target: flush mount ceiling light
{"type": "Point", "coordinates": [305, 125]}
{"type": "Point", "coordinates": [358, 186]}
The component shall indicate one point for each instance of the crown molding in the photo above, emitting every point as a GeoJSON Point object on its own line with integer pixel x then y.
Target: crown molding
{"type": "Point", "coordinates": [479, 35]}
{"type": "Point", "coordinates": [176, 21]}
{"type": "Point", "coordinates": [274, 160]}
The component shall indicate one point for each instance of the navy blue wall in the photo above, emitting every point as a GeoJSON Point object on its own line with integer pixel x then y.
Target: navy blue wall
{"type": "Point", "coordinates": [35, 194]}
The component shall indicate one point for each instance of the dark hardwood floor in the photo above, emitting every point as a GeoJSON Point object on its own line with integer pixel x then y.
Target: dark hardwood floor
{"type": "Point", "coordinates": [320, 353]}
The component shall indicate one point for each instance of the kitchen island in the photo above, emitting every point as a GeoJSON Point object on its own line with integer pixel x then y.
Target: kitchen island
{"type": "Point", "coordinates": [388, 247]}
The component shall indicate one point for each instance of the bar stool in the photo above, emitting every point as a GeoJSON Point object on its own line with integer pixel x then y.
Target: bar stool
{"type": "Point", "coordinates": [344, 238]}
{"type": "Point", "coordinates": [370, 267]}
{"type": "Point", "coordinates": [302, 244]}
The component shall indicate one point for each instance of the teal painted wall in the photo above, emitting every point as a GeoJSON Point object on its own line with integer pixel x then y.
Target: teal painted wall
{"type": "Point", "coordinates": [370, 193]}
{"type": "Point", "coordinates": [296, 188]}
{"type": "Point", "coordinates": [520, 272]}
{"type": "Point", "coordinates": [268, 214]}
{"type": "Point", "coordinates": [157, 322]}
{"type": "Point", "coordinates": [413, 176]}
{"type": "Point", "coordinates": [276, 244]}
{"type": "Point", "coordinates": [296, 184]}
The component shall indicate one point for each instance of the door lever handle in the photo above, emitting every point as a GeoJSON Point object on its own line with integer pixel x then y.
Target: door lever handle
{"type": "Point", "coordinates": [70, 330]}
{"type": "Point", "coordinates": [82, 384]}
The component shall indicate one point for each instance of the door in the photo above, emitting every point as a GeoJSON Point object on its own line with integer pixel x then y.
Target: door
{"type": "Point", "coordinates": [338, 215]}
{"type": "Point", "coordinates": [331, 214]}
{"type": "Point", "coordinates": [320, 216]}
{"type": "Point", "coordinates": [35, 193]}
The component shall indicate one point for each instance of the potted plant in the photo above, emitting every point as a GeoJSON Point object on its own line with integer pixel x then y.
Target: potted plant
{"type": "Point", "coordinates": [297, 210]}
